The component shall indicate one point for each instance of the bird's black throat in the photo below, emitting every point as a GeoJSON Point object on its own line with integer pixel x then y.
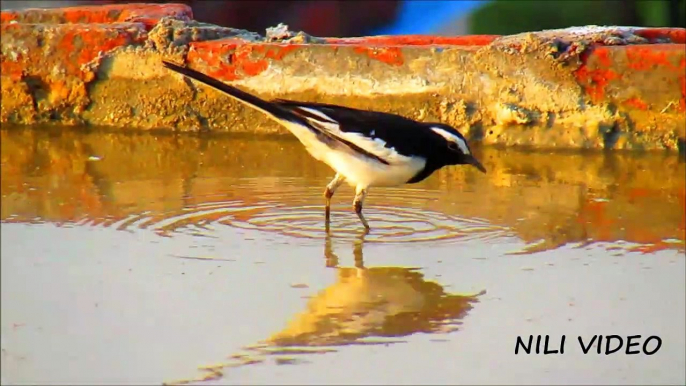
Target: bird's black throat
{"type": "Point", "coordinates": [430, 167]}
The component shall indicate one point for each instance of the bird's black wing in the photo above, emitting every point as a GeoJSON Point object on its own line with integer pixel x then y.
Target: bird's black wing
{"type": "Point", "coordinates": [376, 132]}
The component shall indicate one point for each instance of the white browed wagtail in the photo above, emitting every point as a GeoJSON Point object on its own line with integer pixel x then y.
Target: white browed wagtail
{"type": "Point", "coordinates": [364, 148]}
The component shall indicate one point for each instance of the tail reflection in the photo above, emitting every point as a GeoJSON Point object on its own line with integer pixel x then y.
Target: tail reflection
{"type": "Point", "coordinates": [378, 305]}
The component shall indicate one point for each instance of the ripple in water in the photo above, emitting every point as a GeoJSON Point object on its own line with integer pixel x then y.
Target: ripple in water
{"type": "Point", "coordinates": [389, 224]}
{"type": "Point", "coordinates": [290, 212]}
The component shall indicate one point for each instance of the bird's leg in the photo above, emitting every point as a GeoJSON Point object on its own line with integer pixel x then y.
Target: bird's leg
{"type": "Point", "coordinates": [331, 257]}
{"type": "Point", "coordinates": [357, 253]}
{"type": "Point", "coordinates": [360, 194]}
{"type": "Point", "coordinates": [328, 193]}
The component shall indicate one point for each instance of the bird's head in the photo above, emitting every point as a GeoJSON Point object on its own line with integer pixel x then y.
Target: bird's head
{"type": "Point", "coordinates": [453, 148]}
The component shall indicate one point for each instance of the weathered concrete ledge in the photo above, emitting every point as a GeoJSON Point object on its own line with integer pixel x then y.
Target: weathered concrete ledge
{"type": "Point", "coordinates": [586, 87]}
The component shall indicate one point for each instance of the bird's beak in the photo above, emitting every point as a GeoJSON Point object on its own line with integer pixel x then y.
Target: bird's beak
{"type": "Point", "coordinates": [477, 164]}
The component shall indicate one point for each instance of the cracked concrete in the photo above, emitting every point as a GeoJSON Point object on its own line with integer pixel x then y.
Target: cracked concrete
{"type": "Point", "coordinates": [583, 87]}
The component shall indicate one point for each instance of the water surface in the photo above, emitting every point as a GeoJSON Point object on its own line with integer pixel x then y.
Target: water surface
{"type": "Point", "coordinates": [150, 258]}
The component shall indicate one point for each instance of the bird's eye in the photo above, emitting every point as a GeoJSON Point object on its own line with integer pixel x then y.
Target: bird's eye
{"type": "Point", "coordinates": [452, 146]}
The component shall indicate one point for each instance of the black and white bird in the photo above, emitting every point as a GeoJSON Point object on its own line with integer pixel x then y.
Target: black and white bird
{"type": "Point", "coordinates": [364, 148]}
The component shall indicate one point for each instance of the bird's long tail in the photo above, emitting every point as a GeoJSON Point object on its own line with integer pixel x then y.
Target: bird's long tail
{"type": "Point", "coordinates": [267, 107]}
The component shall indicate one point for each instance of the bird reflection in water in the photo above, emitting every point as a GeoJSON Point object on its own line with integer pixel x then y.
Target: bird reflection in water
{"type": "Point", "coordinates": [377, 305]}
{"type": "Point", "coordinates": [377, 302]}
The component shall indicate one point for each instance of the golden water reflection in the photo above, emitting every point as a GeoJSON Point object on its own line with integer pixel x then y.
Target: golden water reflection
{"type": "Point", "coordinates": [378, 302]}
{"type": "Point", "coordinates": [180, 183]}
{"type": "Point", "coordinates": [364, 306]}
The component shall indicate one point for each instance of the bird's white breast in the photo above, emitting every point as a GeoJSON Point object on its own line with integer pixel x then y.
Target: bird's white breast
{"type": "Point", "coordinates": [360, 170]}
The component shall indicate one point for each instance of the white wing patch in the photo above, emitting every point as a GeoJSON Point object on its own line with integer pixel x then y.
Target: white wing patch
{"type": "Point", "coordinates": [374, 146]}
{"type": "Point", "coordinates": [452, 138]}
{"type": "Point", "coordinates": [318, 114]}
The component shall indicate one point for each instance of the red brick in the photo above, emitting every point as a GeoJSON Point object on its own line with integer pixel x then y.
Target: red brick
{"type": "Point", "coordinates": [634, 70]}
{"type": "Point", "coordinates": [618, 66]}
{"type": "Point", "coordinates": [232, 59]}
{"type": "Point", "coordinates": [66, 46]}
{"type": "Point", "coordinates": [148, 14]}
{"type": "Point", "coordinates": [673, 35]}
{"type": "Point", "coordinates": [417, 40]}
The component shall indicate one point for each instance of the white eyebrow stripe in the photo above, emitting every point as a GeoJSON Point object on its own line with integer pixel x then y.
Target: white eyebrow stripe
{"type": "Point", "coordinates": [318, 113]}
{"type": "Point", "coordinates": [452, 138]}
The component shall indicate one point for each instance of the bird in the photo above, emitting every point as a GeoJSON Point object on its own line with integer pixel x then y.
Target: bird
{"type": "Point", "coordinates": [365, 148]}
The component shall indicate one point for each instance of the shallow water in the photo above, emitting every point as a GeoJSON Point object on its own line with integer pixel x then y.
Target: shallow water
{"type": "Point", "coordinates": [138, 258]}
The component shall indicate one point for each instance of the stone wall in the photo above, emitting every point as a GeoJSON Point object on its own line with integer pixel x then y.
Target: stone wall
{"type": "Point", "coordinates": [584, 87]}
